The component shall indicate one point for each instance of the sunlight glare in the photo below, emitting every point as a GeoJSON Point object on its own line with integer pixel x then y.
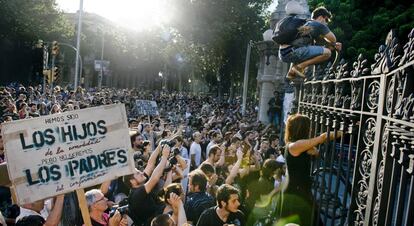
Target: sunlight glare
{"type": "Point", "coordinates": [138, 14]}
{"type": "Point", "coordinates": [134, 14]}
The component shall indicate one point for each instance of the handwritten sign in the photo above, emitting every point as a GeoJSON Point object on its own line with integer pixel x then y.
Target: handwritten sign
{"type": "Point", "coordinates": [146, 107]}
{"type": "Point", "coordinates": [59, 153]}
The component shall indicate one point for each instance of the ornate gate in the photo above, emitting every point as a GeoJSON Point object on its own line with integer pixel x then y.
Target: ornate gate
{"type": "Point", "coordinates": [367, 176]}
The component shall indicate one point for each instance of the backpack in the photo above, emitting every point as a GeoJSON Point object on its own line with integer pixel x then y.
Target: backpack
{"type": "Point", "coordinates": [286, 30]}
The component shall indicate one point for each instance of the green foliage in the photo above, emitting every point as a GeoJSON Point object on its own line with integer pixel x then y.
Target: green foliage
{"type": "Point", "coordinates": [31, 20]}
{"type": "Point", "coordinates": [217, 33]}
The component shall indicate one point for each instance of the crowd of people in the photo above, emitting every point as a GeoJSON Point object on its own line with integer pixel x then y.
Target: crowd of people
{"type": "Point", "coordinates": [218, 156]}
{"type": "Point", "coordinates": [198, 162]}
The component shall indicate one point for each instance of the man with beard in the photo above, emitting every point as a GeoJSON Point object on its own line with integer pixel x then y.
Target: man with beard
{"type": "Point", "coordinates": [198, 199]}
{"type": "Point", "coordinates": [137, 141]}
{"type": "Point", "coordinates": [226, 212]}
{"type": "Point", "coordinates": [216, 138]}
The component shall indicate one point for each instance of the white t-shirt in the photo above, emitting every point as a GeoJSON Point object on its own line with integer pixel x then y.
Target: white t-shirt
{"type": "Point", "coordinates": [209, 147]}
{"type": "Point", "coordinates": [43, 213]}
{"type": "Point", "coordinates": [195, 149]}
{"type": "Point", "coordinates": [26, 212]}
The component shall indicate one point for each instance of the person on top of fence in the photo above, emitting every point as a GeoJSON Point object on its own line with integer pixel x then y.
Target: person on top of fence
{"type": "Point", "coordinates": [297, 38]}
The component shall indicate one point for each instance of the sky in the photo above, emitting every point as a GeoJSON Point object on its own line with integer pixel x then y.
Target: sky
{"type": "Point", "coordinates": [133, 14]}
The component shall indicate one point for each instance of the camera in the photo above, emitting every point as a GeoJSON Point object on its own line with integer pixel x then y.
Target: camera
{"type": "Point", "coordinates": [122, 210]}
{"type": "Point", "coordinates": [139, 162]}
{"type": "Point", "coordinates": [172, 159]}
{"type": "Point", "coordinates": [170, 143]}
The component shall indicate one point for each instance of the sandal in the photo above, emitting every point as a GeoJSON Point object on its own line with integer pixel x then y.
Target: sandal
{"type": "Point", "coordinates": [291, 74]}
{"type": "Point", "coordinates": [299, 71]}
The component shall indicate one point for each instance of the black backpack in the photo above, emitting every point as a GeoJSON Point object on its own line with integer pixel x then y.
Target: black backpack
{"type": "Point", "coordinates": [286, 30]}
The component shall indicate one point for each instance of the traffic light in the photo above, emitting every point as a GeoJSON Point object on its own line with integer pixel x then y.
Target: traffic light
{"type": "Point", "coordinates": [55, 48]}
{"type": "Point", "coordinates": [56, 73]}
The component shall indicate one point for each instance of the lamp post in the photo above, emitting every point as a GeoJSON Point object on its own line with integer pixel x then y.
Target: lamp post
{"type": "Point", "coordinates": [101, 72]}
{"type": "Point", "coordinates": [162, 79]}
{"type": "Point", "coordinates": [246, 76]}
{"type": "Point", "coordinates": [78, 44]}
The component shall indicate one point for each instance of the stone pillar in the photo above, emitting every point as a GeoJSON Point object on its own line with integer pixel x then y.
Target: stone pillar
{"type": "Point", "coordinates": [266, 78]}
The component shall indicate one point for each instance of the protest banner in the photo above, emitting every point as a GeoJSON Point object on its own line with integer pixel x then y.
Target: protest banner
{"type": "Point", "coordinates": [60, 153]}
{"type": "Point", "coordinates": [146, 107]}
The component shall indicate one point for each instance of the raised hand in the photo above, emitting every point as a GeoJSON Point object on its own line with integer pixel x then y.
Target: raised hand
{"type": "Point", "coordinates": [239, 154]}
{"type": "Point", "coordinates": [175, 201]}
{"type": "Point", "coordinates": [165, 151]}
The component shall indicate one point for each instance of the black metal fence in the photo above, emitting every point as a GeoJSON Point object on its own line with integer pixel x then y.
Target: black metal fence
{"type": "Point", "coordinates": [367, 176]}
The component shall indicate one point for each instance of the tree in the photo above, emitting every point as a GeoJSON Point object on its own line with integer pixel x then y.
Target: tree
{"type": "Point", "coordinates": [216, 33]}
{"type": "Point", "coordinates": [22, 23]}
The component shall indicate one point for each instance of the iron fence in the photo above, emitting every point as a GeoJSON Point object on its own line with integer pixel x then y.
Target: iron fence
{"type": "Point", "coordinates": [367, 176]}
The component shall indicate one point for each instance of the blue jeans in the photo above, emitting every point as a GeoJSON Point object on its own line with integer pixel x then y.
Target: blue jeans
{"type": "Point", "coordinates": [297, 55]}
{"type": "Point", "coordinates": [275, 119]}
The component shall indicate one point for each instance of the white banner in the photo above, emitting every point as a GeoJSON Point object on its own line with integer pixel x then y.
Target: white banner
{"type": "Point", "coordinates": [59, 153]}
{"type": "Point", "coordinates": [101, 63]}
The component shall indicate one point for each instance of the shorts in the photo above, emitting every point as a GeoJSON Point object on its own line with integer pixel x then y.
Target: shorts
{"type": "Point", "coordinates": [299, 54]}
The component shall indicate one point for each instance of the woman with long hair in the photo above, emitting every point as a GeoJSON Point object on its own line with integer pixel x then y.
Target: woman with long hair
{"type": "Point", "coordinates": [55, 109]}
{"type": "Point", "coordinates": [43, 108]}
{"type": "Point", "coordinates": [297, 199]}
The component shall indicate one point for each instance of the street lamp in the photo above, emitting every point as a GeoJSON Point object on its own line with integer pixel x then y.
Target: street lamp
{"type": "Point", "coordinates": [246, 76]}
{"type": "Point", "coordinates": [101, 72]}
{"type": "Point", "coordinates": [162, 79]}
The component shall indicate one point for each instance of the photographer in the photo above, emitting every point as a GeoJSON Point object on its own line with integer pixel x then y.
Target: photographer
{"type": "Point", "coordinates": [142, 189]}
{"type": "Point", "coordinates": [97, 204]}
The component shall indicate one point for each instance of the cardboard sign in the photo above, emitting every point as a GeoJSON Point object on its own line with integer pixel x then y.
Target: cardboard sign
{"type": "Point", "coordinates": [146, 107]}
{"type": "Point", "coordinates": [59, 153]}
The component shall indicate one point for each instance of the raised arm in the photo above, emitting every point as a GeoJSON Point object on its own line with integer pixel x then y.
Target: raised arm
{"type": "Point", "coordinates": [151, 161]}
{"type": "Point", "coordinates": [156, 175]}
{"type": "Point", "coordinates": [235, 170]}
{"type": "Point", "coordinates": [330, 37]}
{"type": "Point", "coordinates": [298, 147]}
{"type": "Point", "coordinates": [54, 217]}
